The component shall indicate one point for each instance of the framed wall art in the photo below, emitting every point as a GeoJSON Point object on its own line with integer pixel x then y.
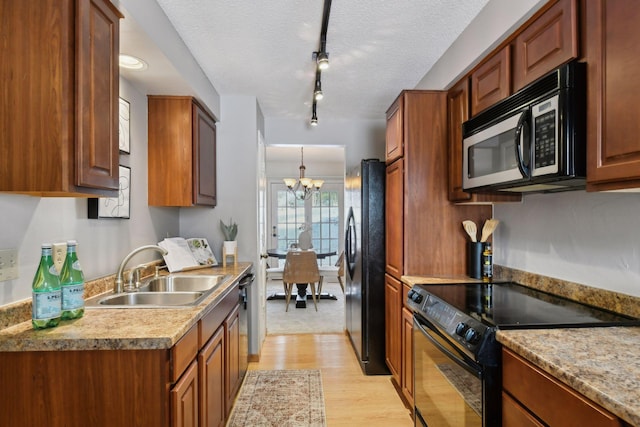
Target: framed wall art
{"type": "Point", "coordinates": [114, 207]}
{"type": "Point", "coordinates": [123, 126]}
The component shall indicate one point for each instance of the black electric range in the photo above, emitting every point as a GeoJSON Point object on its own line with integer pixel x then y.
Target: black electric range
{"type": "Point", "coordinates": [454, 327]}
{"type": "Point", "coordinates": [470, 313]}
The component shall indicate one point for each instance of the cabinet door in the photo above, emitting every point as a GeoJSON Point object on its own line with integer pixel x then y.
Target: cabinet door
{"type": "Point", "coordinates": [59, 91]}
{"type": "Point", "coordinates": [491, 81]}
{"type": "Point", "coordinates": [613, 146]}
{"type": "Point", "coordinates": [184, 399]}
{"type": "Point", "coordinates": [392, 315]}
{"type": "Point", "coordinates": [407, 355]}
{"type": "Point", "coordinates": [394, 209]}
{"type": "Point", "coordinates": [514, 415]}
{"type": "Point", "coordinates": [232, 371]}
{"type": "Point", "coordinates": [98, 45]}
{"type": "Point", "coordinates": [211, 374]}
{"type": "Point", "coordinates": [394, 135]}
{"type": "Point", "coordinates": [204, 148]}
{"type": "Point", "coordinates": [458, 111]}
{"type": "Point", "coordinates": [549, 41]}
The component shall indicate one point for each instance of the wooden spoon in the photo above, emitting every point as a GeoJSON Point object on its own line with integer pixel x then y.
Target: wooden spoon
{"type": "Point", "coordinates": [488, 228]}
{"type": "Point", "coordinates": [471, 229]}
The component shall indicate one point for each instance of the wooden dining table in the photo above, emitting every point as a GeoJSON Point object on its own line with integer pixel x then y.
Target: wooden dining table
{"type": "Point", "coordinates": [302, 296]}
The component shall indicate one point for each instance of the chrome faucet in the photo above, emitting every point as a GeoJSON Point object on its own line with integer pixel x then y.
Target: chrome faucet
{"type": "Point", "coordinates": [118, 283]}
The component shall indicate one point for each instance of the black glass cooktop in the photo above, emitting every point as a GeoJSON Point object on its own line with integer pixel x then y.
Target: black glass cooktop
{"type": "Point", "coordinates": [511, 306]}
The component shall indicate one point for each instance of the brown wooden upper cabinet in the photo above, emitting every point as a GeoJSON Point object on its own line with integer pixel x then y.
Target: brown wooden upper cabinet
{"type": "Point", "coordinates": [491, 81]}
{"type": "Point", "coordinates": [395, 134]}
{"type": "Point", "coordinates": [548, 40]}
{"type": "Point", "coordinates": [59, 126]}
{"type": "Point", "coordinates": [546, 43]}
{"type": "Point", "coordinates": [613, 147]}
{"type": "Point", "coordinates": [182, 153]}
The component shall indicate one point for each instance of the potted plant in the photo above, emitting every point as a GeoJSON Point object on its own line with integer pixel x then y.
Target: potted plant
{"type": "Point", "coordinates": [230, 232]}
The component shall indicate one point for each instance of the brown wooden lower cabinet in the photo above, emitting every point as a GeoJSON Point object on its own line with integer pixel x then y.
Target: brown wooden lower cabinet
{"type": "Point", "coordinates": [211, 387]}
{"type": "Point", "coordinates": [407, 356]}
{"type": "Point", "coordinates": [533, 398]}
{"type": "Point", "coordinates": [392, 315]}
{"type": "Point", "coordinates": [233, 376]}
{"type": "Point", "coordinates": [185, 385]}
{"type": "Point", "coordinates": [184, 399]}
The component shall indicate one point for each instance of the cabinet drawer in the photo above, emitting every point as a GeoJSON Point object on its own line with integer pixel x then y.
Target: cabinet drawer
{"type": "Point", "coordinates": [212, 320]}
{"type": "Point", "coordinates": [183, 353]}
{"type": "Point", "coordinates": [553, 402]}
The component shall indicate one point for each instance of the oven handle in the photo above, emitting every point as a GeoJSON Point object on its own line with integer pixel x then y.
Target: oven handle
{"type": "Point", "coordinates": [462, 360]}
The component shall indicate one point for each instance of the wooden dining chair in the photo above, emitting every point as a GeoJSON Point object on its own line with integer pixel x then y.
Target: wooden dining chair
{"type": "Point", "coordinates": [336, 270]}
{"type": "Point", "coordinates": [300, 267]}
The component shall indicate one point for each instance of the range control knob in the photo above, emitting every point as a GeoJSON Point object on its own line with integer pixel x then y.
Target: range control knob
{"type": "Point", "coordinates": [417, 298]}
{"type": "Point", "coordinates": [472, 336]}
{"type": "Point", "coordinates": [461, 328]}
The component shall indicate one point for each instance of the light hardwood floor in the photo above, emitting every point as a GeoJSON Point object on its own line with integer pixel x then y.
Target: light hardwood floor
{"type": "Point", "coordinates": [351, 398]}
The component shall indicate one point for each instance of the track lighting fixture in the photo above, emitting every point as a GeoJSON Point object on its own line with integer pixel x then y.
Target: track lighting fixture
{"type": "Point", "coordinates": [322, 60]}
{"type": "Point", "coordinates": [317, 92]}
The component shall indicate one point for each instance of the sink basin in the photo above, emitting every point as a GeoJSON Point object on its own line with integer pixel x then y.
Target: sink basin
{"type": "Point", "coordinates": [183, 283]}
{"type": "Point", "coordinates": [173, 291]}
{"type": "Point", "coordinates": [147, 299]}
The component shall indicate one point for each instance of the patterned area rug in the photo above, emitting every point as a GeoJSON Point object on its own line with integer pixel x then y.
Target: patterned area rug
{"type": "Point", "coordinates": [287, 398]}
{"type": "Point", "coordinates": [465, 383]}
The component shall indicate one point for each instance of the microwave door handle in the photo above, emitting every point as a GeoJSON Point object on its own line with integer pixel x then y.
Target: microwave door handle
{"type": "Point", "coordinates": [522, 122]}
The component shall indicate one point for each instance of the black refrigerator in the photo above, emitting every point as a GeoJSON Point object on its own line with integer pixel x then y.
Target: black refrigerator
{"type": "Point", "coordinates": [364, 262]}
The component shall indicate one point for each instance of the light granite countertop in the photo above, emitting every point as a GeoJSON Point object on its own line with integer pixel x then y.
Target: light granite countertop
{"type": "Point", "coordinates": [600, 363]}
{"type": "Point", "coordinates": [437, 280]}
{"type": "Point", "coordinates": [120, 328]}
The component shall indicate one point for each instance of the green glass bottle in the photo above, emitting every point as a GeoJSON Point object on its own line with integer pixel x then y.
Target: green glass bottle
{"type": "Point", "coordinates": [46, 293]}
{"type": "Point", "coordinates": [72, 284]}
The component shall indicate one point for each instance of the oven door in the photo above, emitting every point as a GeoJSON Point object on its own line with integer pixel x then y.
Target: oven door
{"type": "Point", "coordinates": [447, 383]}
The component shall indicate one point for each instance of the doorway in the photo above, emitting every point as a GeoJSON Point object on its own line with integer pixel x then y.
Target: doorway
{"type": "Point", "coordinates": [287, 215]}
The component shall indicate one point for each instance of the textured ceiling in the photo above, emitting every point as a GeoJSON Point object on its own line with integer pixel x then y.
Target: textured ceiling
{"type": "Point", "coordinates": [264, 49]}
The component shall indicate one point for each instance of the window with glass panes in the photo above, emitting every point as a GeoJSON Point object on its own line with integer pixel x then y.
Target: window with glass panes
{"type": "Point", "coordinates": [321, 212]}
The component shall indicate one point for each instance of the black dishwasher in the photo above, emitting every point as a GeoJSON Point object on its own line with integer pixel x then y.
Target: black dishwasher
{"type": "Point", "coordinates": [244, 283]}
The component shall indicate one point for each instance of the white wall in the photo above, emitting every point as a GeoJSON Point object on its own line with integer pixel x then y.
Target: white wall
{"type": "Point", "coordinates": [26, 222]}
{"type": "Point", "coordinates": [588, 238]}
{"type": "Point", "coordinates": [237, 195]}
{"type": "Point", "coordinates": [362, 139]}
{"type": "Point", "coordinates": [236, 180]}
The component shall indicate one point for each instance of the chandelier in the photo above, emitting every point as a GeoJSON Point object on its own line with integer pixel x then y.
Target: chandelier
{"type": "Point", "coordinates": [303, 188]}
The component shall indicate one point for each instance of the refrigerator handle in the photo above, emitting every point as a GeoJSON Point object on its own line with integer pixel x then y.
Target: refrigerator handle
{"type": "Point", "coordinates": [350, 244]}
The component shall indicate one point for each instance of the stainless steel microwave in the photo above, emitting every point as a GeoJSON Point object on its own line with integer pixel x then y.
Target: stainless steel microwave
{"type": "Point", "coordinates": [533, 141]}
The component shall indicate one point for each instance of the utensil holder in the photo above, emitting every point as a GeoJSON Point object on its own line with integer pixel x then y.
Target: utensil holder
{"type": "Point", "coordinates": [474, 259]}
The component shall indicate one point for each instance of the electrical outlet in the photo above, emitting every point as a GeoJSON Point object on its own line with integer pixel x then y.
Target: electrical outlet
{"type": "Point", "coordinates": [8, 264]}
{"type": "Point", "coordinates": [59, 253]}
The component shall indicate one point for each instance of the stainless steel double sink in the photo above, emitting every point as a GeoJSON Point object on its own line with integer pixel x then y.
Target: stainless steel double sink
{"type": "Point", "coordinates": [172, 291]}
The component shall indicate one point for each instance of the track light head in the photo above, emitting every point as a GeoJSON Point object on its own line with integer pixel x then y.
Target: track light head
{"type": "Point", "coordinates": [322, 59]}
